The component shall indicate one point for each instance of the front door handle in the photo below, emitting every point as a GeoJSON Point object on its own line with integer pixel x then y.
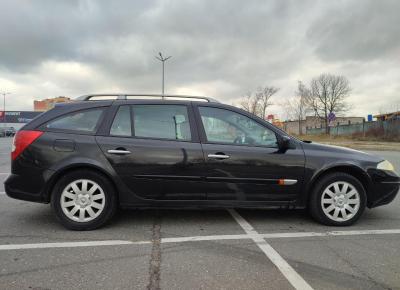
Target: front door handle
{"type": "Point", "coordinates": [218, 156]}
{"type": "Point", "coordinates": [119, 151]}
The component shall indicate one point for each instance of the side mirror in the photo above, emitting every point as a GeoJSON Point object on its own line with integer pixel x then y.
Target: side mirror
{"type": "Point", "coordinates": [284, 142]}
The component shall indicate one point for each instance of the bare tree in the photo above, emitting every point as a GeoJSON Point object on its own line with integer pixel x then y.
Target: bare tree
{"type": "Point", "coordinates": [250, 103]}
{"type": "Point", "coordinates": [328, 95]}
{"type": "Point", "coordinates": [264, 95]}
{"type": "Point", "coordinates": [258, 102]}
{"type": "Point", "coordinates": [297, 106]}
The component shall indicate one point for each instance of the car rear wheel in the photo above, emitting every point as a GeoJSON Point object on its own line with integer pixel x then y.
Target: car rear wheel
{"type": "Point", "coordinates": [83, 200]}
{"type": "Point", "coordinates": [338, 199]}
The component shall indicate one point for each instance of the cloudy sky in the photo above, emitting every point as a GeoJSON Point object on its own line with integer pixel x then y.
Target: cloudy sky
{"type": "Point", "coordinates": [219, 48]}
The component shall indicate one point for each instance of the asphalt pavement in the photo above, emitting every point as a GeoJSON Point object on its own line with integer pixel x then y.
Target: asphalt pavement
{"type": "Point", "coordinates": [197, 249]}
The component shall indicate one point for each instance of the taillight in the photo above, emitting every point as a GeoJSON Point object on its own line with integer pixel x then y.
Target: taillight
{"type": "Point", "coordinates": [22, 140]}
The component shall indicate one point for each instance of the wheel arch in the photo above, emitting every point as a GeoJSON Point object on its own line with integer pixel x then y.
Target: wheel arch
{"type": "Point", "coordinates": [350, 169]}
{"type": "Point", "coordinates": [74, 167]}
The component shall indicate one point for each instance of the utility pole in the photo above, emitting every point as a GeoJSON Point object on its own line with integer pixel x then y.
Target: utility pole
{"type": "Point", "coordinates": [163, 60]}
{"type": "Point", "coordinates": [4, 106]}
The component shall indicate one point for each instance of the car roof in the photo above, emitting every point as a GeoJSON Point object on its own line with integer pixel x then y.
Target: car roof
{"type": "Point", "coordinates": [128, 96]}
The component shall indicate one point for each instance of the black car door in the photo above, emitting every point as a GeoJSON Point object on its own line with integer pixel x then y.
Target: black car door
{"type": "Point", "coordinates": [243, 159]}
{"type": "Point", "coordinates": [155, 150]}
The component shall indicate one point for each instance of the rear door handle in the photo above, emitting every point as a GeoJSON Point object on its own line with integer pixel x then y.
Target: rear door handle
{"type": "Point", "coordinates": [119, 151]}
{"type": "Point", "coordinates": [218, 156]}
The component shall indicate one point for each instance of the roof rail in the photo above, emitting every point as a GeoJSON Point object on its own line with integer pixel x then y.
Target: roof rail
{"type": "Point", "coordinates": [125, 97]}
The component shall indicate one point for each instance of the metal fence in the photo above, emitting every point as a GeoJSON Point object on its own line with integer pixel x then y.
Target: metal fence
{"type": "Point", "coordinates": [385, 129]}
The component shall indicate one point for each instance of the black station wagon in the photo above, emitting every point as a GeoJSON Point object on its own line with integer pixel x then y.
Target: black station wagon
{"type": "Point", "coordinates": [101, 152]}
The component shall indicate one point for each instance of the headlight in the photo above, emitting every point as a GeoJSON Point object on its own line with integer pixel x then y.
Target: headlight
{"type": "Point", "coordinates": [385, 165]}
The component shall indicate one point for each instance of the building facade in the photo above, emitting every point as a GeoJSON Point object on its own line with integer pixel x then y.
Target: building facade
{"type": "Point", "coordinates": [16, 119]}
{"type": "Point", "coordinates": [293, 127]}
{"type": "Point", "coordinates": [388, 116]}
{"type": "Point", "coordinates": [47, 104]}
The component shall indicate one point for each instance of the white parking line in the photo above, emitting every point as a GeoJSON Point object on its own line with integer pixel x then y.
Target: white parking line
{"type": "Point", "coordinates": [290, 274]}
{"type": "Point", "coordinates": [331, 233]}
{"type": "Point", "coordinates": [71, 244]}
{"type": "Point", "coordinates": [200, 238]}
{"type": "Point", "coordinates": [280, 235]}
{"type": "Point", "coordinates": [2, 192]}
{"type": "Point", "coordinates": [4, 173]}
{"type": "Point", "coordinates": [205, 238]}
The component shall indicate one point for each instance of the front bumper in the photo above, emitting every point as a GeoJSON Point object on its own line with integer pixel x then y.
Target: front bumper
{"type": "Point", "coordinates": [385, 187]}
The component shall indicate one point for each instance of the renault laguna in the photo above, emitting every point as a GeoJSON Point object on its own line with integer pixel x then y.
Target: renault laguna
{"type": "Point", "coordinates": [89, 157]}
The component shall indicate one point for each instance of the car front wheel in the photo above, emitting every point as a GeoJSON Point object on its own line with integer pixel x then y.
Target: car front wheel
{"type": "Point", "coordinates": [338, 199]}
{"type": "Point", "coordinates": [83, 200]}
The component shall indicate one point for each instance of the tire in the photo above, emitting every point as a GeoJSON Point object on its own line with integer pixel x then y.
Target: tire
{"type": "Point", "coordinates": [331, 189]}
{"type": "Point", "coordinates": [70, 199]}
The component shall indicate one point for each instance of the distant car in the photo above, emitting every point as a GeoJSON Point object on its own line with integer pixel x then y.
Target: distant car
{"type": "Point", "coordinates": [10, 131]}
{"type": "Point", "coordinates": [91, 156]}
{"type": "Point", "coordinates": [2, 132]}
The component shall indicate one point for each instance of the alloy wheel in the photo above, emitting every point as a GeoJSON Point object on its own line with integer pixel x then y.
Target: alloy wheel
{"type": "Point", "coordinates": [340, 201]}
{"type": "Point", "coordinates": [82, 200]}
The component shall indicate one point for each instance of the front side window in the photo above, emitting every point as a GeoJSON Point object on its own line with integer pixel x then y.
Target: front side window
{"type": "Point", "coordinates": [224, 126]}
{"type": "Point", "coordinates": [161, 122]}
{"type": "Point", "coordinates": [84, 121]}
{"type": "Point", "coordinates": [121, 125]}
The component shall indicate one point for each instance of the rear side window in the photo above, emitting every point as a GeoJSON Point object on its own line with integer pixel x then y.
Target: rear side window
{"type": "Point", "coordinates": [83, 121]}
{"type": "Point", "coordinates": [161, 122]}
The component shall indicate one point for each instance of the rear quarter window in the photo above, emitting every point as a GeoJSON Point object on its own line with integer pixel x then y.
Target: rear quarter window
{"type": "Point", "coordinates": [85, 121]}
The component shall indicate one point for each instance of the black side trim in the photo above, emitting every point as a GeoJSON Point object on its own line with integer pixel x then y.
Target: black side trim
{"type": "Point", "coordinates": [211, 179]}
{"type": "Point", "coordinates": [243, 180]}
{"type": "Point", "coordinates": [169, 177]}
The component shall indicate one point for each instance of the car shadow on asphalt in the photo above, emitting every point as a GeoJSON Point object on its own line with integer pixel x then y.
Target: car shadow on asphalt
{"type": "Point", "coordinates": [218, 221]}
{"type": "Point", "coordinates": [215, 217]}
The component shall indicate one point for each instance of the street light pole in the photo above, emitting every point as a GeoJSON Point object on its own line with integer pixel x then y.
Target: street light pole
{"type": "Point", "coordinates": [4, 106]}
{"type": "Point", "coordinates": [163, 60]}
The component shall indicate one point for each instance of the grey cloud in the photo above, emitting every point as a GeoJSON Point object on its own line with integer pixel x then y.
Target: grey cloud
{"type": "Point", "coordinates": [234, 45]}
{"type": "Point", "coordinates": [357, 30]}
{"type": "Point", "coordinates": [35, 31]}
{"type": "Point", "coordinates": [231, 40]}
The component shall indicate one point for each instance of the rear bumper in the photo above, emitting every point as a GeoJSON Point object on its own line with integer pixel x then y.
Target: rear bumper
{"type": "Point", "coordinates": [18, 187]}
